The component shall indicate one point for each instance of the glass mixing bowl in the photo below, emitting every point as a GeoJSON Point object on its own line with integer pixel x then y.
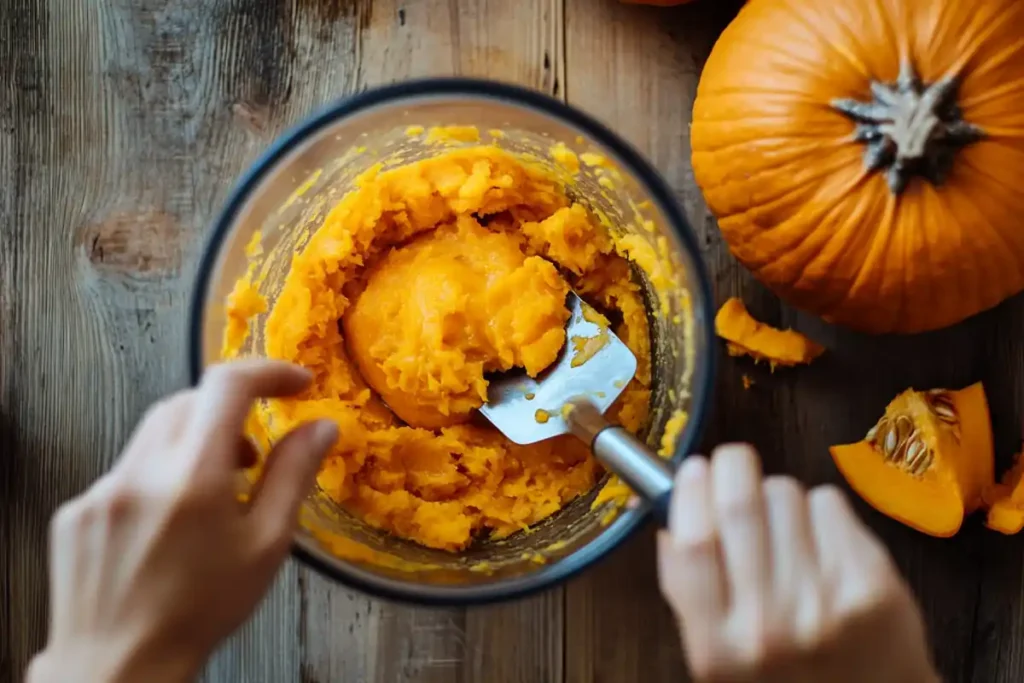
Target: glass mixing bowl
{"type": "Point", "coordinates": [309, 169]}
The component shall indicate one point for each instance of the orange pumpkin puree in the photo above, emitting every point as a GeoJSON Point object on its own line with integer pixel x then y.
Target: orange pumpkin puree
{"type": "Point", "coordinates": [420, 281]}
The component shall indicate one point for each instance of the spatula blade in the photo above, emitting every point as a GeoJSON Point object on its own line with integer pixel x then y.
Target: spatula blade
{"type": "Point", "coordinates": [528, 410]}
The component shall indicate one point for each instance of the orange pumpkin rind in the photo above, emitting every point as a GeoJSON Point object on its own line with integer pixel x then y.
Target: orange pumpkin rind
{"type": "Point", "coordinates": [928, 462]}
{"type": "Point", "coordinates": [1005, 501]}
{"type": "Point", "coordinates": [746, 336]}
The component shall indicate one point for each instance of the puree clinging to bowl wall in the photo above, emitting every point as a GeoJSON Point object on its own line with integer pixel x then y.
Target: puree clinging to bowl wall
{"type": "Point", "coordinates": [421, 280]}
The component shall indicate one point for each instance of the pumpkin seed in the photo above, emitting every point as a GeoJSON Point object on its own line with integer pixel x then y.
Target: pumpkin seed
{"type": "Point", "coordinates": [925, 462]}
{"type": "Point", "coordinates": [945, 413]}
{"type": "Point", "coordinates": [941, 404]}
{"type": "Point", "coordinates": [915, 452]}
{"type": "Point", "coordinates": [898, 436]}
{"type": "Point", "coordinates": [911, 440]}
{"type": "Point", "coordinates": [904, 428]}
{"type": "Point", "coordinates": [889, 444]}
{"type": "Point", "coordinates": [873, 432]}
{"type": "Point", "coordinates": [901, 443]}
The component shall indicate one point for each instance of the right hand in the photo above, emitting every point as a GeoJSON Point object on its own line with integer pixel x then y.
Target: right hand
{"type": "Point", "coordinates": [771, 584]}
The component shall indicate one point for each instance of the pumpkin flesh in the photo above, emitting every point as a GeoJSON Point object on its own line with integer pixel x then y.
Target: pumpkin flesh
{"type": "Point", "coordinates": [1006, 501]}
{"type": "Point", "coordinates": [785, 166]}
{"type": "Point", "coordinates": [746, 336]}
{"type": "Point", "coordinates": [930, 504]}
{"type": "Point", "coordinates": [928, 460]}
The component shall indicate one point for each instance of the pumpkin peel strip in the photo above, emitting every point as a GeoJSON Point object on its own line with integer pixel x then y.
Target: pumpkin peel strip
{"type": "Point", "coordinates": [1006, 500]}
{"type": "Point", "coordinates": [746, 336]}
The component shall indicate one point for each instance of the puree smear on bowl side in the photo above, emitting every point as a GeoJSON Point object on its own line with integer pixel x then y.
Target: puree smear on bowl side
{"type": "Point", "coordinates": [421, 280]}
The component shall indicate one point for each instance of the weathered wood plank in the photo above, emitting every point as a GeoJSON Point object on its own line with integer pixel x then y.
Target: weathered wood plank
{"type": "Point", "coordinates": [93, 311]}
{"type": "Point", "coordinates": [127, 124]}
{"type": "Point", "coordinates": [637, 68]}
{"type": "Point", "coordinates": [176, 100]}
{"type": "Point", "coordinates": [970, 586]}
{"type": "Point", "coordinates": [122, 127]}
{"type": "Point", "coordinates": [24, 71]}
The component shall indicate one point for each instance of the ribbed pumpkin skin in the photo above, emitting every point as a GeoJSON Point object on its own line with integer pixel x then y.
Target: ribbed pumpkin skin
{"type": "Point", "coordinates": [779, 168]}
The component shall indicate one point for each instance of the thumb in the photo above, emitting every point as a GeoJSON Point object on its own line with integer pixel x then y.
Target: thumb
{"type": "Point", "coordinates": [289, 475]}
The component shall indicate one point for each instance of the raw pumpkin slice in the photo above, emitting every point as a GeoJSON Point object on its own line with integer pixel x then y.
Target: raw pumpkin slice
{"type": "Point", "coordinates": [746, 336]}
{"type": "Point", "coordinates": [1006, 501]}
{"type": "Point", "coordinates": [928, 460]}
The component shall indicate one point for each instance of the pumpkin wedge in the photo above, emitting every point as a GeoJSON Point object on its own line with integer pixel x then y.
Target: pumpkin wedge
{"type": "Point", "coordinates": [927, 462]}
{"type": "Point", "coordinates": [1006, 501]}
{"type": "Point", "coordinates": [746, 336]}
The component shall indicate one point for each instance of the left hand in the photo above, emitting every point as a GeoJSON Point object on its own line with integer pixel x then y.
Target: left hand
{"type": "Point", "coordinates": [158, 562]}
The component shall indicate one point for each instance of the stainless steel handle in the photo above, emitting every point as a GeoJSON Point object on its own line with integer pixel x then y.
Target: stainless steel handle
{"type": "Point", "coordinates": [624, 454]}
{"type": "Point", "coordinates": [628, 457]}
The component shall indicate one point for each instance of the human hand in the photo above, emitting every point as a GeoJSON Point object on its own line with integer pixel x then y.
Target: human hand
{"type": "Point", "coordinates": [773, 584]}
{"type": "Point", "coordinates": [158, 562]}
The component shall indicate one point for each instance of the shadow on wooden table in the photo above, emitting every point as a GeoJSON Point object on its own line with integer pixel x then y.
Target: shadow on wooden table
{"type": "Point", "coordinates": [617, 626]}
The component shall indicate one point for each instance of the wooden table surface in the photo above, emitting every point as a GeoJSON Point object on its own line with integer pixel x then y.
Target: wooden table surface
{"type": "Point", "coordinates": [123, 124]}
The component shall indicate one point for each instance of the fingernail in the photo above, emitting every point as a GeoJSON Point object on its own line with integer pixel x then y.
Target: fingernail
{"type": "Point", "coordinates": [693, 468]}
{"type": "Point", "coordinates": [691, 521]}
{"type": "Point", "coordinates": [736, 475]}
{"type": "Point", "coordinates": [325, 434]}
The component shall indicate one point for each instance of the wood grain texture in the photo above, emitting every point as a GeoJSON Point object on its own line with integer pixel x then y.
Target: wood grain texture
{"type": "Point", "coordinates": [122, 127]}
{"type": "Point", "coordinates": [637, 68]}
{"type": "Point", "coordinates": [969, 586]}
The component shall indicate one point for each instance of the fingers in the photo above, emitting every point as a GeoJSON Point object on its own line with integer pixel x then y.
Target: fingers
{"type": "Point", "coordinates": [228, 391]}
{"type": "Point", "coordinates": [851, 558]}
{"type": "Point", "coordinates": [794, 557]}
{"type": "Point", "coordinates": [691, 571]}
{"type": "Point", "coordinates": [63, 565]}
{"type": "Point", "coordinates": [163, 422]}
{"type": "Point", "coordinates": [288, 477]}
{"type": "Point", "coordinates": [797, 600]}
{"type": "Point", "coordinates": [740, 515]}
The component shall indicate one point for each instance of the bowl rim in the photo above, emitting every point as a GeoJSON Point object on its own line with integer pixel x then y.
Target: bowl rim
{"type": "Point", "coordinates": [554, 573]}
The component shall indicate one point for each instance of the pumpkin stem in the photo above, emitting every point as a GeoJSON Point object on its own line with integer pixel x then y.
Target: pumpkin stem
{"type": "Point", "coordinates": [909, 128]}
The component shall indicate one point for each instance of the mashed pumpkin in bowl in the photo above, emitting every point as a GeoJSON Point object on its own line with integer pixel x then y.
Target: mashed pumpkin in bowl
{"type": "Point", "coordinates": [420, 282]}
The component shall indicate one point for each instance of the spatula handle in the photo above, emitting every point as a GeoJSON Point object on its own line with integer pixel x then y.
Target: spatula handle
{"type": "Point", "coordinates": [625, 455]}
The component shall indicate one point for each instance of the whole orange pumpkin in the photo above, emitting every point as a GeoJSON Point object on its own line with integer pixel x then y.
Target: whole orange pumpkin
{"type": "Point", "coordinates": [865, 158]}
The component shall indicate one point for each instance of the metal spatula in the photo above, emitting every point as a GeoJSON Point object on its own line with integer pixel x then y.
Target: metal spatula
{"type": "Point", "coordinates": [571, 397]}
